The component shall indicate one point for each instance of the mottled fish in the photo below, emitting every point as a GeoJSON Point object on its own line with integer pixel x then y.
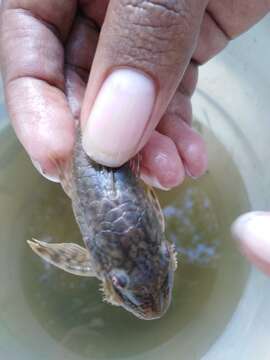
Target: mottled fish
{"type": "Point", "coordinates": [122, 226]}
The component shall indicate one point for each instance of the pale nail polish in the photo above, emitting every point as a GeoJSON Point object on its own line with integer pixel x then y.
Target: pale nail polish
{"type": "Point", "coordinates": [119, 117]}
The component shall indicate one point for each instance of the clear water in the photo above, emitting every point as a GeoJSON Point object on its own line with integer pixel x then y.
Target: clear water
{"type": "Point", "coordinates": [48, 314]}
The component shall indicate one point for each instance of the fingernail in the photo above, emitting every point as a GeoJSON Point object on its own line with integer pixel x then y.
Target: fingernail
{"type": "Point", "coordinates": [53, 178]}
{"type": "Point", "coordinates": [118, 117]}
{"type": "Point", "coordinates": [189, 174]}
{"type": "Point", "coordinates": [153, 181]}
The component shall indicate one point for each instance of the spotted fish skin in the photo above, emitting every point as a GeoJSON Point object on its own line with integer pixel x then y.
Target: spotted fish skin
{"type": "Point", "coordinates": [124, 235]}
{"type": "Point", "coordinates": [115, 217]}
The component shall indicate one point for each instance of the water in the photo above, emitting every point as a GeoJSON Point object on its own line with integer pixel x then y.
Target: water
{"type": "Point", "coordinates": [48, 314]}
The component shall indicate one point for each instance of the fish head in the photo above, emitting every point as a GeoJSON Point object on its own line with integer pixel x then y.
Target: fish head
{"type": "Point", "coordinates": [146, 289]}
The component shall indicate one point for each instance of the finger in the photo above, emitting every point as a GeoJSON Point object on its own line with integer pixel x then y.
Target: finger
{"type": "Point", "coordinates": [252, 232]}
{"type": "Point", "coordinates": [143, 51]}
{"type": "Point", "coordinates": [235, 17]}
{"type": "Point", "coordinates": [180, 104]}
{"type": "Point", "coordinates": [189, 144]}
{"type": "Point", "coordinates": [81, 45]}
{"type": "Point", "coordinates": [51, 12]}
{"type": "Point", "coordinates": [176, 125]}
{"type": "Point", "coordinates": [75, 88]}
{"type": "Point", "coordinates": [32, 61]}
{"type": "Point", "coordinates": [95, 9]}
{"type": "Point", "coordinates": [42, 121]}
{"type": "Point", "coordinates": [211, 41]}
{"type": "Point", "coordinates": [189, 80]}
{"type": "Point", "coordinates": [161, 164]}
{"type": "Point", "coordinates": [79, 50]}
{"type": "Point", "coordinates": [224, 21]}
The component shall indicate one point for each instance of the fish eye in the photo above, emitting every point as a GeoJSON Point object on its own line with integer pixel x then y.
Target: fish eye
{"type": "Point", "coordinates": [119, 279]}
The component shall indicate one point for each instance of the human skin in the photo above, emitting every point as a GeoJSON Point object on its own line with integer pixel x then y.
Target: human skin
{"type": "Point", "coordinates": [129, 85]}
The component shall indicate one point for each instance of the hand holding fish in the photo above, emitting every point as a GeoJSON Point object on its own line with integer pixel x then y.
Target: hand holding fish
{"type": "Point", "coordinates": [119, 69]}
{"type": "Point", "coordinates": [126, 70]}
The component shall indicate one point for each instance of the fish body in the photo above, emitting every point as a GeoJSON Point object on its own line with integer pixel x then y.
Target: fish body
{"type": "Point", "coordinates": [123, 231]}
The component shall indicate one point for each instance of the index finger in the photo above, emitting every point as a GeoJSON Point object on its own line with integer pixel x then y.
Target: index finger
{"type": "Point", "coordinates": [32, 60]}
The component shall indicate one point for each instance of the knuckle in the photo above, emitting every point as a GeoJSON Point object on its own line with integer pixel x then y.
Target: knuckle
{"type": "Point", "coordinates": [153, 31]}
{"type": "Point", "coordinates": [161, 20]}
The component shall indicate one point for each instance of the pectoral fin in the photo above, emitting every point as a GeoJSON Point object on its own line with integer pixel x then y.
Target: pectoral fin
{"type": "Point", "coordinates": [69, 257]}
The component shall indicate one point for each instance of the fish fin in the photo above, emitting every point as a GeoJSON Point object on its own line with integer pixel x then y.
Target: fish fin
{"type": "Point", "coordinates": [64, 169]}
{"type": "Point", "coordinates": [66, 178]}
{"type": "Point", "coordinates": [135, 164]}
{"type": "Point", "coordinates": [69, 257]}
{"type": "Point", "coordinates": [154, 200]}
{"type": "Point", "coordinates": [109, 294]}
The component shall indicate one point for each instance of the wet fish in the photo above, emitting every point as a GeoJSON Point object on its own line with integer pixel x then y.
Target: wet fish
{"type": "Point", "coordinates": [122, 227]}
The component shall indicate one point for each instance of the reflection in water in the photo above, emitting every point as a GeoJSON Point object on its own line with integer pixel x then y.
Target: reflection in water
{"type": "Point", "coordinates": [210, 275]}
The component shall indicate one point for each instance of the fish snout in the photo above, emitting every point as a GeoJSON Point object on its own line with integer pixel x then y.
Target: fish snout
{"type": "Point", "coordinates": [157, 307]}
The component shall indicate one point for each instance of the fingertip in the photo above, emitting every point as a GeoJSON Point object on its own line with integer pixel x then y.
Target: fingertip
{"type": "Point", "coordinates": [195, 157]}
{"type": "Point", "coordinates": [43, 123]}
{"type": "Point", "coordinates": [46, 153]}
{"type": "Point", "coordinates": [152, 180]}
{"type": "Point", "coordinates": [170, 170]}
{"type": "Point", "coordinates": [189, 143]}
{"type": "Point", "coordinates": [252, 233]}
{"type": "Point", "coordinates": [47, 170]}
{"type": "Point", "coordinates": [162, 161]}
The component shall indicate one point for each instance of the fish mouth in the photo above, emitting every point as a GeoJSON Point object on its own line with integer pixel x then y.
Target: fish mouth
{"type": "Point", "coordinates": [150, 313]}
{"type": "Point", "coordinates": [148, 306]}
{"type": "Point", "coordinates": [151, 309]}
{"type": "Point", "coordinates": [152, 305]}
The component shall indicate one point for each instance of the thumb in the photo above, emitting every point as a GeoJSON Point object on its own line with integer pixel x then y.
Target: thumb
{"type": "Point", "coordinates": [252, 231]}
{"type": "Point", "coordinates": [143, 51]}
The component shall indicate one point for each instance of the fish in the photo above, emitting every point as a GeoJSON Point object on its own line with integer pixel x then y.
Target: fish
{"type": "Point", "coordinates": [123, 231]}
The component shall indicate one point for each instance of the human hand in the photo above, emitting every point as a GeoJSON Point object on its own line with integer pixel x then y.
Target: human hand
{"type": "Point", "coordinates": [143, 74]}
